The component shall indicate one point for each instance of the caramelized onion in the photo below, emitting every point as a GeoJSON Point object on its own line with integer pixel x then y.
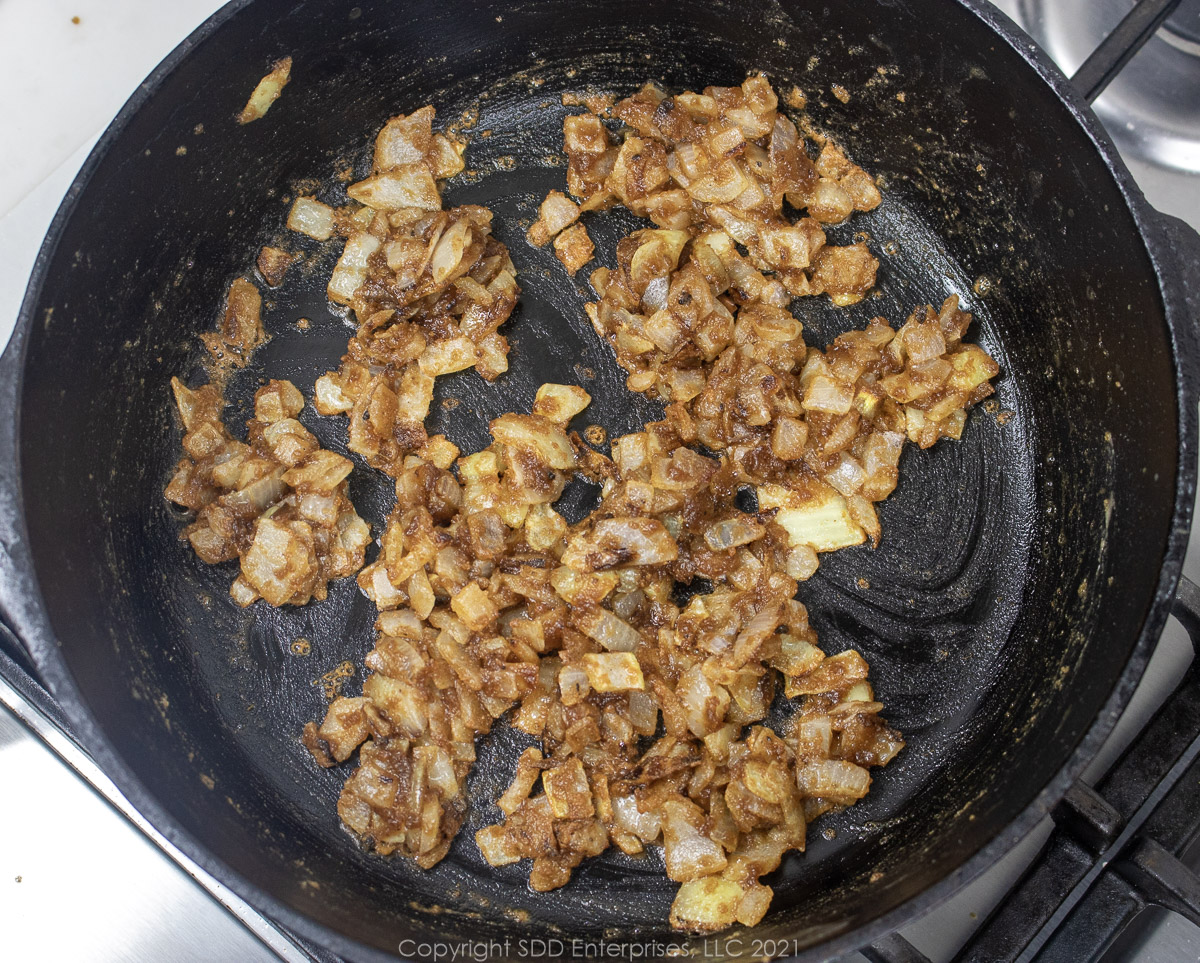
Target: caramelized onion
{"type": "Point", "coordinates": [644, 646]}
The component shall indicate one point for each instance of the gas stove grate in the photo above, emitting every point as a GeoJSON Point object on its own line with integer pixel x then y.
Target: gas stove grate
{"type": "Point", "coordinates": [1116, 848]}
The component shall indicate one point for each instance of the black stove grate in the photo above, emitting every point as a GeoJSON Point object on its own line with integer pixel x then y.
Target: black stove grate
{"type": "Point", "coordinates": [1115, 850]}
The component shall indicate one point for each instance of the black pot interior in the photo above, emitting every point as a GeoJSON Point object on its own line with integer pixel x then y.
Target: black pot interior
{"type": "Point", "coordinates": [1017, 566]}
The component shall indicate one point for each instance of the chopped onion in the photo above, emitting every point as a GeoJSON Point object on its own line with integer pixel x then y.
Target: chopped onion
{"type": "Point", "coordinates": [645, 825]}
{"type": "Point", "coordinates": [351, 268]}
{"type": "Point", "coordinates": [732, 532]}
{"type": "Point", "coordinates": [611, 632]}
{"type": "Point", "coordinates": [613, 671]}
{"type": "Point", "coordinates": [649, 701]}
{"type": "Point", "coordinates": [309, 216]}
{"type": "Point", "coordinates": [267, 91]}
{"type": "Point", "coordinates": [836, 780]}
{"type": "Point", "coordinates": [689, 854]}
{"type": "Point", "coordinates": [574, 684]}
{"type": "Point", "coordinates": [402, 186]}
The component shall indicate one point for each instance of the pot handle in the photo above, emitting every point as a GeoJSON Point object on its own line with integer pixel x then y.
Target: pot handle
{"type": "Point", "coordinates": [20, 599]}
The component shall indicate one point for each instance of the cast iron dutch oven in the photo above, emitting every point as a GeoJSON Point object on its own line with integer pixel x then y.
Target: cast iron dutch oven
{"type": "Point", "coordinates": [1024, 576]}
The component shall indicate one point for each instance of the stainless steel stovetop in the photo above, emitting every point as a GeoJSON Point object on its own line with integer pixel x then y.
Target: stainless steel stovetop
{"type": "Point", "coordinates": [82, 877]}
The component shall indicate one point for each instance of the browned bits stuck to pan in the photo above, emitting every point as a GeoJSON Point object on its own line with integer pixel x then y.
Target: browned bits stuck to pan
{"type": "Point", "coordinates": [332, 681]}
